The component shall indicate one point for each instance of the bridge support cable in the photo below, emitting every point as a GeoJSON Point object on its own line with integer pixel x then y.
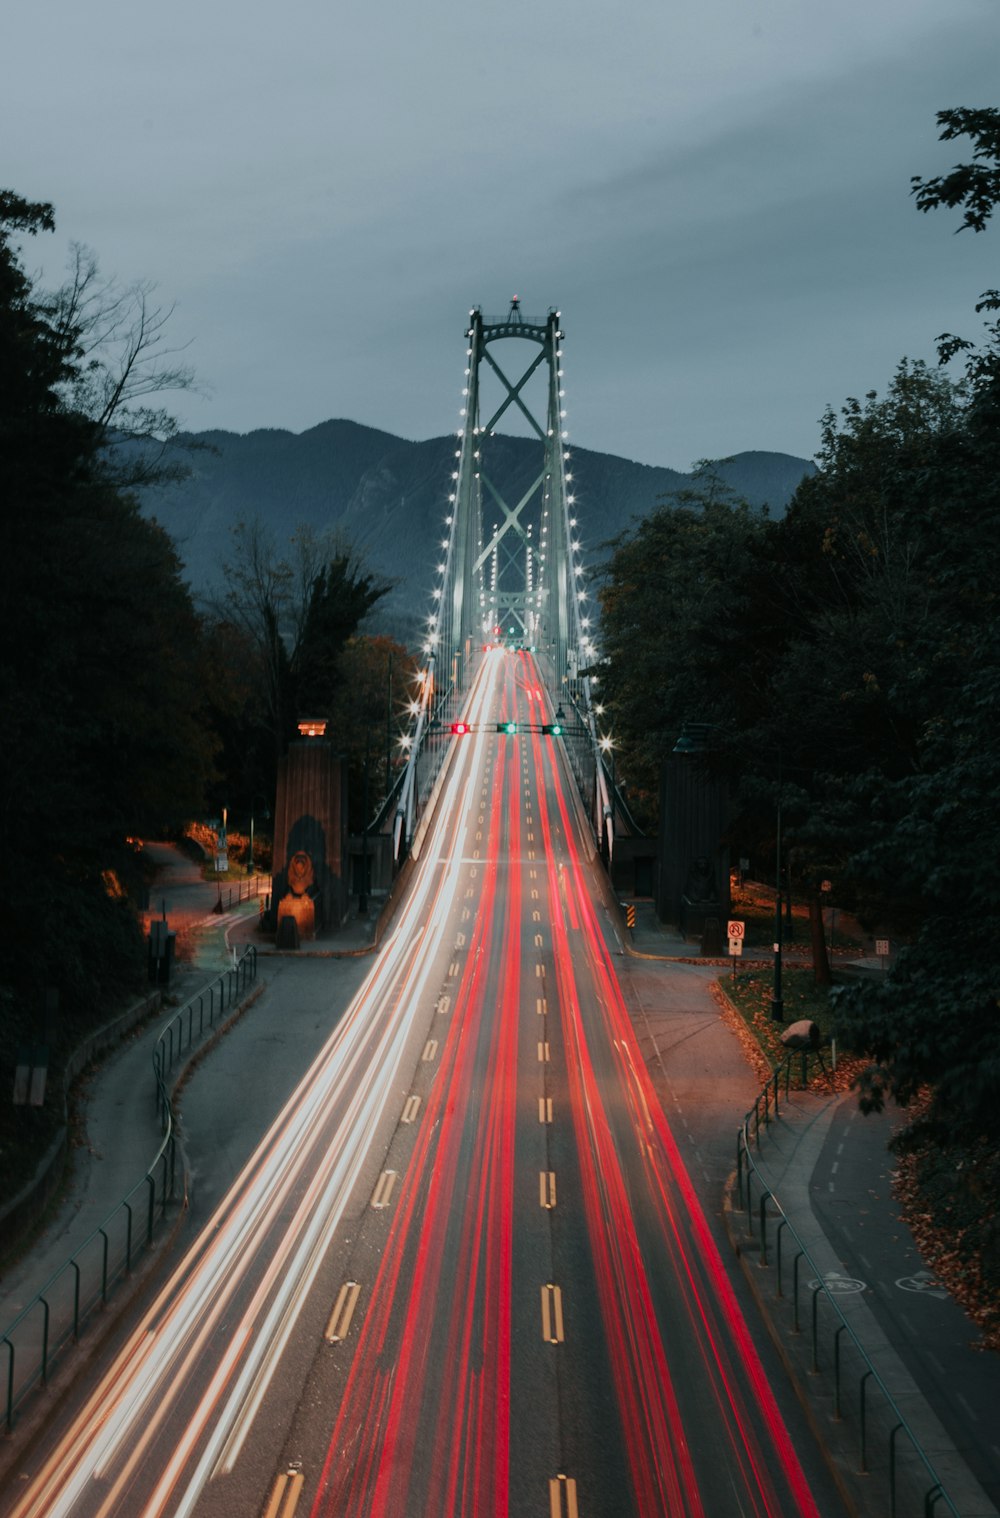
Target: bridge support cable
{"type": "Point", "coordinates": [510, 567]}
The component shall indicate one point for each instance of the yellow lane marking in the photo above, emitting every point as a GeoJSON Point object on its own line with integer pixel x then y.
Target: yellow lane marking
{"type": "Point", "coordinates": [410, 1109]}
{"type": "Point", "coordinates": [383, 1190]}
{"type": "Point", "coordinates": [538, 940]}
{"type": "Point", "coordinates": [466, 914]}
{"type": "Point", "coordinates": [543, 1053]}
{"type": "Point", "coordinates": [531, 853]}
{"type": "Point", "coordinates": [460, 941]}
{"type": "Point", "coordinates": [541, 1006]}
{"type": "Point", "coordinates": [453, 969]}
{"type": "Point", "coordinates": [545, 1109]}
{"type": "Point", "coordinates": [343, 1312]}
{"type": "Point", "coordinates": [534, 893]}
{"type": "Point", "coordinates": [444, 1002]}
{"type": "Point", "coordinates": [430, 1050]}
{"type": "Point", "coordinates": [547, 1188]}
{"type": "Point", "coordinates": [552, 1318]}
{"type": "Point", "coordinates": [532, 874]}
{"type": "Point", "coordinates": [469, 892]}
{"type": "Point", "coordinates": [536, 916]}
{"type": "Point", "coordinates": [531, 837]}
{"type": "Point", "coordinates": [539, 972]}
{"type": "Point", "coordinates": [285, 1495]}
{"type": "Point", "coordinates": [558, 1485]}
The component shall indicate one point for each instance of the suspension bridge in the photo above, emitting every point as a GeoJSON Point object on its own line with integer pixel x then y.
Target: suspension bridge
{"type": "Point", "coordinates": [510, 573]}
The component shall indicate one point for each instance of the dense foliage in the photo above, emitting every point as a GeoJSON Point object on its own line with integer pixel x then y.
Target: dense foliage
{"type": "Point", "coordinates": [100, 671]}
{"type": "Point", "coordinates": [847, 655]}
{"type": "Point", "coordinates": [284, 628]}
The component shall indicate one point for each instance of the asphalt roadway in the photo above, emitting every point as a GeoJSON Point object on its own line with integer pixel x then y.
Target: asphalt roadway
{"type": "Point", "coordinates": [828, 1166]}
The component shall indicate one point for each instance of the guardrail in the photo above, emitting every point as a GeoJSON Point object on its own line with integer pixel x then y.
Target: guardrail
{"type": "Point", "coordinates": [859, 1393]}
{"type": "Point", "coordinates": [55, 1318]}
{"type": "Point", "coordinates": [245, 890]}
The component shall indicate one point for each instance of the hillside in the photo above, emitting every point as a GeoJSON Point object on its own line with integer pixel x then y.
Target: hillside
{"type": "Point", "coordinates": [389, 496]}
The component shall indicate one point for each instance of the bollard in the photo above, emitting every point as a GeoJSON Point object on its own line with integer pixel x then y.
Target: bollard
{"type": "Point", "coordinates": [45, 1341]}
{"type": "Point", "coordinates": [10, 1385]}
{"type": "Point", "coordinates": [864, 1422]}
{"type": "Point", "coordinates": [76, 1299]}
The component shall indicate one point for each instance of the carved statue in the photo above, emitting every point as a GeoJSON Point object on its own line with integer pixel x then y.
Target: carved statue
{"type": "Point", "coordinates": [298, 901]}
{"type": "Point", "coordinates": [701, 881]}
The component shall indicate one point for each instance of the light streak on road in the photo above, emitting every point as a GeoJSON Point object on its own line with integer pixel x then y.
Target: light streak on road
{"type": "Point", "coordinates": [535, 1316]}
{"type": "Point", "coordinates": [250, 1259]}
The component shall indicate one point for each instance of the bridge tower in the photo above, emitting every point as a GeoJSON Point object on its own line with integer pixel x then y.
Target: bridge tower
{"type": "Point", "coordinates": [511, 571]}
{"type": "Point", "coordinates": [509, 566]}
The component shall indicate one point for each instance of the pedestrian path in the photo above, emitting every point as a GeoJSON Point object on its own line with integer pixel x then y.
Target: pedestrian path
{"type": "Point", "coordinates": [830, 1169]}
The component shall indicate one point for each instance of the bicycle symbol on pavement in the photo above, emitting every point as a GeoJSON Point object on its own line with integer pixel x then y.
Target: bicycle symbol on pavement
{"type": "Point", "coordinates": [838, 1284]}
{"type": "Point", "coordinates": [924, 1284]}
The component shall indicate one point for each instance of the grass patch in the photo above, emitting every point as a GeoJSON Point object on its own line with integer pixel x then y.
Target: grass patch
{"type": "Point", "coordinates": [750, 997]}
{"type": "Point", "coordinates": [751, 994]}
{"type": "Point", "coordinates": [753, 903]}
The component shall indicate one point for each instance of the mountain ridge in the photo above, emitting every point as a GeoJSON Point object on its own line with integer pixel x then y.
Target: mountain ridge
{"type": "Point", "coordinates": [388, 496]}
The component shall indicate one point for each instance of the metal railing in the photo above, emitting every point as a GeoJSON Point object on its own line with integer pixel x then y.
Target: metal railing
{"type": "Point", "coordinates": [244, 888]}
{"type": "Point", "coordinates": [859, 1394]}
{"type": "Point", "coordinates": [56, 1317]}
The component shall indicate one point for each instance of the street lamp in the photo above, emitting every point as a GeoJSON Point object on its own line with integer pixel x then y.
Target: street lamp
{"type": "Point", "coordinates": [608, 747]}
{"type": "Point", "coordinates": [264, 816]}
{"type": "Point", "coordinates": [363, 892]}
{"type": "Point", "coordinates": [777, 1003]}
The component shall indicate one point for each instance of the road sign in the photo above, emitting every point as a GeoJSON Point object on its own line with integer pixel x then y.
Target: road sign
{"type": "Point", "coordinates": [882, 948]}
{"type": "Point", "coordinates": [735, 928]}
{"type": "Point", "coordinates": [736, 945]}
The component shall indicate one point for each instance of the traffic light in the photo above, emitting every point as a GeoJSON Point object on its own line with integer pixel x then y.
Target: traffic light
{"type": "Point", "coordinates": [507, 727]}
{"type": "Point", "coordinates": [554, 729]}
{"type": "Point", "coordinates": [458, 728]}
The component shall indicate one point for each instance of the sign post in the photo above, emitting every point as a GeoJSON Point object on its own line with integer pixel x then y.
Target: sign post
{"type": "Point", "coordinates": [735, 931]}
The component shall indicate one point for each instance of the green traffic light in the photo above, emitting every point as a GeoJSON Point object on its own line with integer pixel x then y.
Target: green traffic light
{"type": "Point", "coordinates": [506, 727]}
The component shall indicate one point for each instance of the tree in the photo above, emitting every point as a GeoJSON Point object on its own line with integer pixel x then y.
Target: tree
{"type": "Point", "coordinates": [670, 596]}
{"type": "Point", "coordinates": [975, 186]}
{"type": "Point", "coordinates": [100, 668]}
{"type": "Point", "coordinates": [935, 1020]}
{"type": "Point", "coordinates": [377, 676]}
{"type": "Point", "coordinates": [295, 616]}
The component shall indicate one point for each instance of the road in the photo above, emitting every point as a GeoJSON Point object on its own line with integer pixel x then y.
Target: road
{"type": "Point", "coordinates": [466, 1270]}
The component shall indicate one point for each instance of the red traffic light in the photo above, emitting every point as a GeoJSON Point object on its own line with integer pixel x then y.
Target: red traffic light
{"type": "Point", "coordinates": [459, 728]}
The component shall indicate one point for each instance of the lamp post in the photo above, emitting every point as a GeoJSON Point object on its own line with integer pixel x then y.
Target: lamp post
{"type": "Point", "coordinates": [363, 892]}
{"type": "Point", "coordinates": [608, 747]}
{"type": "Point", "coordinates": [265, 814]}
{"type": "Point", "coordinates": [777, 1002]}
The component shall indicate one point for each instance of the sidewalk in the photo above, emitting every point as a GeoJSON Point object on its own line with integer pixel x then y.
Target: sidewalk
{"type": "Point", "coordinates": [117, 1104]}
{"type": "Point", "coordinates": [830, 1170]}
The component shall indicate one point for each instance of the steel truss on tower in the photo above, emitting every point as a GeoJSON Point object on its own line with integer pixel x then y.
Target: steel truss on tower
{"type": "Point", "coordinates": [510, 568]}
{"type": "Point", "coordinates": [512, 577]}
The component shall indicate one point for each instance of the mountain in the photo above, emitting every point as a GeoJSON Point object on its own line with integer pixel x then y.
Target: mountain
{"type": "Point", "coordinates": [389, 496]}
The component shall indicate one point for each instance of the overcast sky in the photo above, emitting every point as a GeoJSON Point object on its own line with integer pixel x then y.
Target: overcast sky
{"type": "Point", "coordinates": [715, 195]}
